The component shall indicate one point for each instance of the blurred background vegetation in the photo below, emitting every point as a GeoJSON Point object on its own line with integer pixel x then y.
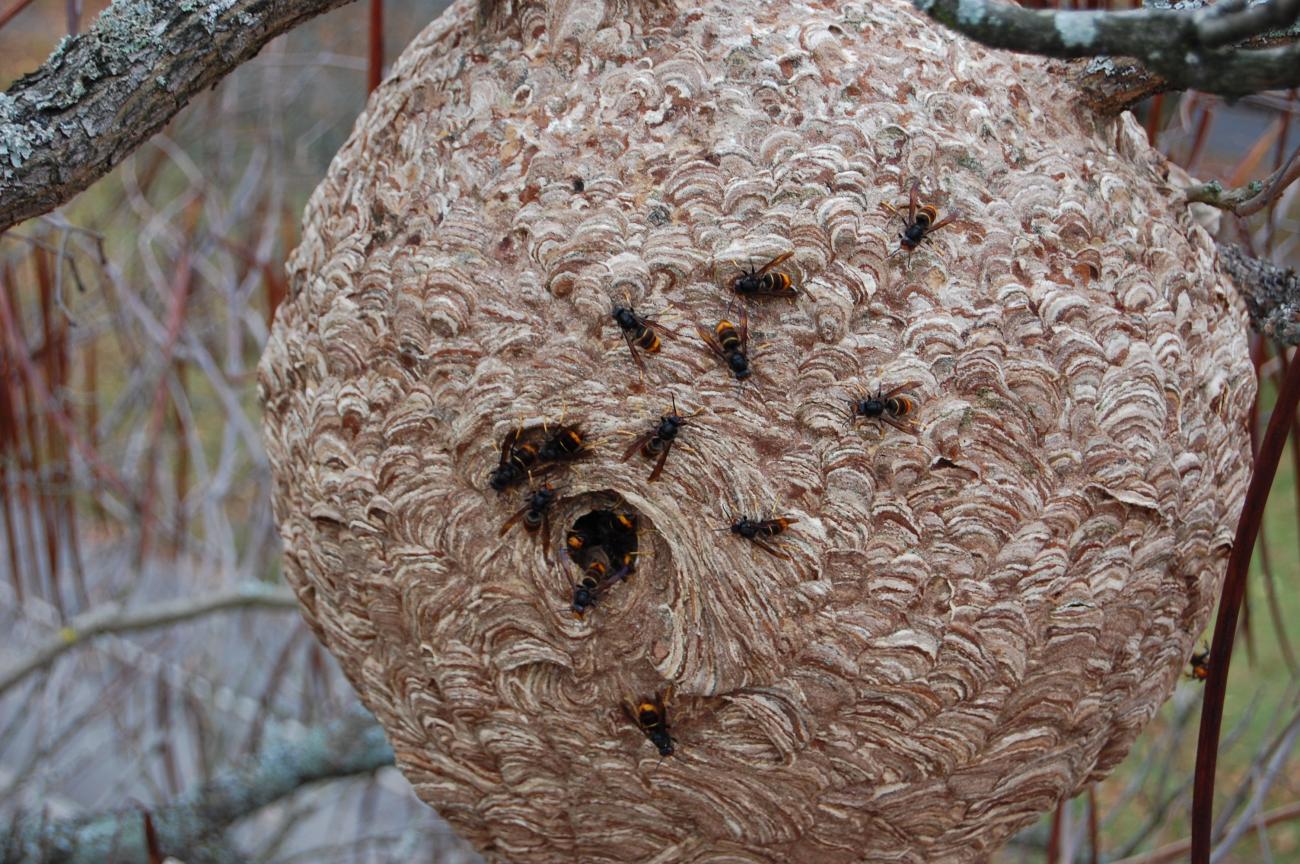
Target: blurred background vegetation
{"type": "Point", "coordinates": [132, 475]}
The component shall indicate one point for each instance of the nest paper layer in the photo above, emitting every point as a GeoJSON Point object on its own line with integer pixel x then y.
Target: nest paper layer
{"type": "Point", "coordinates": [977, 618]}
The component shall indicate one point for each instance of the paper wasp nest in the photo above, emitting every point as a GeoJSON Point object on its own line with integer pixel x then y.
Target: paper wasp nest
{"type": "Point", "coordinates": [976, 618]}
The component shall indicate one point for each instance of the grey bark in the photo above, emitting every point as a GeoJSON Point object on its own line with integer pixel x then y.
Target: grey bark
{"type": "Point", "coordinates": [1110, 85]}
{"type": "Point", "coordinates": [1186, 49]}
{"type": "Point", "coordinates": [103, 93]}
{"type": "Point", "coordinates": [193, 828]}
{"type": "Point", "coordinates": [1272, 294]}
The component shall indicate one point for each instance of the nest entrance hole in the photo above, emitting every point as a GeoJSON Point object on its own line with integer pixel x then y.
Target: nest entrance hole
{"type": "Point", "coordinates": [607, 535]}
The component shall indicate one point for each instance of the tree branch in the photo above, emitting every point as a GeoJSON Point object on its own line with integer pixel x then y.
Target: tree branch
{"type": "Point", "coordinates": [1183, 48]}
{"type": "Point", "coordinates": [1272, 294]}
{"type": "Point", "coordinates": [1109, 85]}
{"type": "Point", "coordinates": [192, 828]}
{"type": "Point", "coordinates": [105, 620]}
{"type": "Point", "coordinates": [1227, 22]}
{"type": "Point", "coordinates": [1254, 196]}
{"type": "Point", "coordinates": [101, 95]}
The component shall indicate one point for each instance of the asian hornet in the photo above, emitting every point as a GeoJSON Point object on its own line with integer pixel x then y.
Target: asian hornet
{"type": "Point", "coordinates": [656, 443]}
{"type": "Point", "coordinates": [920, 222]}
{"type": "Point", "coordinates": [759, 531]}
{"type": "Point", "coordinates": [651, 717]}
{"type": "Point", "coordinates": [889, 407]}
{"type": "Point", "coordinates": [598, 528]}
{"type": "Point", "coordinates": [596, 579]}
{"type": "Point", "coordinates": [536, 515]}
{"type": "Point", "coordinates": [638, 332]}
{"type": "Point", "coordinates": [517, 459]}
{"type": "Point", "coordinates": [730, 344]}
{"type": "Point", "coordinates": [619, 541]}
{"type": "Point", "coordinates": [765, 282]}
{"type": "Point", "coordinates": [564, 444]}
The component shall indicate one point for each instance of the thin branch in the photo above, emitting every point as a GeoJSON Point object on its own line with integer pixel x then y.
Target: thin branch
{"type": "Point", "coordinates": [1178, 851]}
{"type": "Point", "coordinates": [108, 620]}
{"type": "Point", "coordinates": [1225, 23]}
{"type": "Point", "coordinates": [1225, 625]}
{"type": "Point", "coordinates": [10, 332]}
{"type": "Point", "coordinates": [1185, 49]}
{"type": "Point", "coordinates": [1272, 294]}
{"type": "Point", "coordinates": [1249, 199]}
{"type": "Point", "coordinates": [8, 14]}
{"type": "Point", "coordinates": [345, 748]}
{"type": "Point", "coordinates": [1062, 34]}
{"type": "Point", "coordinates": [102, 94]}
{"type": "Point", "coordinates": [1276, 760]}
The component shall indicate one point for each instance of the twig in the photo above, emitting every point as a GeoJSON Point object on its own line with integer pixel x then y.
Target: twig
{"type": "Point", "coordinates": [1185, 49]}
{"type": "Point", "coordinates": [106, 620]}
{"type": "Point", "coordinates": [348, 747]}
{"type": "Point", "coordinates": [1272, 294]}
{"type": "Point", "coordinates": [1276, 760]}
{"type": "Point", "coordinates": [1178, 850]}
{"type": "Point", "coordinates": [1251, 198]}
{"type": "Point", "coordinates": [375, 72]}
{"type": "Point", "coordinates": [13, 10]}
{"type": "Point", "coordinates": [9, 331]}
{"type": "Point", "coordinates": [180, 295]}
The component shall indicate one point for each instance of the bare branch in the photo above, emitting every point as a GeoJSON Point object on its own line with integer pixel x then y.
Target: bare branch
{"type": "Point", "coordinates": [1272, 294]}
{"type": "Point", "coordinates": [105, 620]}
{"type": "Point", "coordinates": [1177, 851]}
{"type": "Point", "coordinates": [102, 94]}
{"type": "Point", "coordinates": [348, 747]}
{"type": "Point", "coordinates": [1212, 192]}
{"type": "Point", "coordinates": [1225, 23]}
{"type": "Point", "coordinates": [1062, 34]}
{"type": "Point", "coordinates": [1254, 196]}
{"type": "Point", "coordinates": [13, 10]}
{"type": "Point", "coordinates": [1183, 48]}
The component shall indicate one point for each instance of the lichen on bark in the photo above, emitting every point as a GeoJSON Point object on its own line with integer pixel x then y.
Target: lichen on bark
{"type": "Point", "coordinates": [104, 92]}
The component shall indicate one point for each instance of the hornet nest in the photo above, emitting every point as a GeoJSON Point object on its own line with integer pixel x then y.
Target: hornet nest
{"type": "Point", "coordinates": [981, 590]}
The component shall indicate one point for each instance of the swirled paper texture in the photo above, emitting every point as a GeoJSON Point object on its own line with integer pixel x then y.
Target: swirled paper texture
{"type": "Point", "coordinates": [976, 618]}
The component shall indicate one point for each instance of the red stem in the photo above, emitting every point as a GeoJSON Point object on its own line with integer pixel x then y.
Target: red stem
{"type": "Point", "coordinates": [1156, 109]}
{"type": "Point", "coordinates": [50, 464]}
{"type": "Point", "coordinates": [376, 68]}
{"type": "Point", "coordinates": [182, 280]}
{"type": "Point", "coordinates": [19, 351]}
{"type": "Point", "coordinates": [1094, 837]}
{"type": "Point", "coordinates": [1054, 839]}
{"type": "Point", "coordinates": [1225, 627]}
